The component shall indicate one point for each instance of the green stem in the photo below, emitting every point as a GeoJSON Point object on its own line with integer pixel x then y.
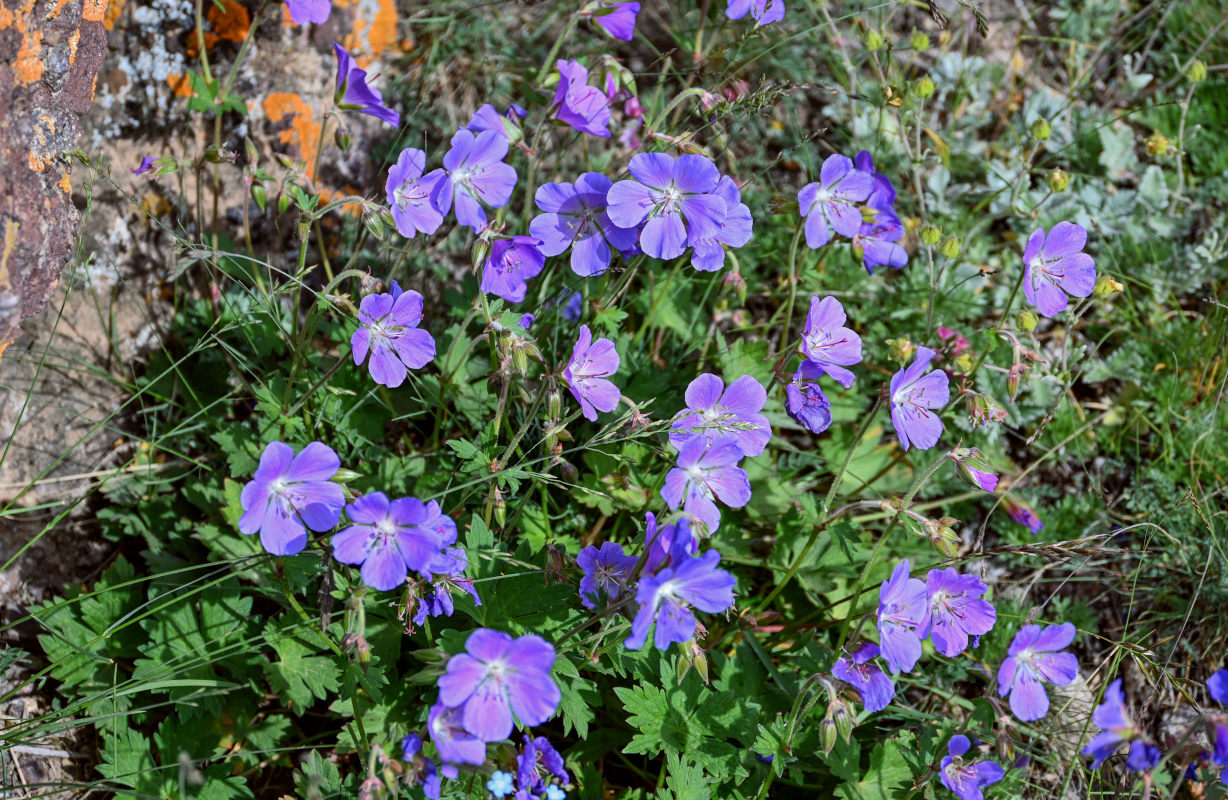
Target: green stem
{"type": "Point", "coordinates": [784, 329]}
{"type": "Point", "coordinates": [554, 50]}
{"type": "Point", "coordinates": [683, 95]}
{"type": "Point", "coordinates": [304, 233]}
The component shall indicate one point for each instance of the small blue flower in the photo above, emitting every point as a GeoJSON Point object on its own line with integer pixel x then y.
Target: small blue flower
{"type": "Point", "coordinates": [555, 793]}
{"type": "Point", "coordinates": [500, 784]}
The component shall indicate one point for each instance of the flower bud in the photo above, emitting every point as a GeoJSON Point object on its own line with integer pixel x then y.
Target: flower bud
{"type": "Point", "coordinates": [949, 247]}
{"type": "Point", "coordinates": [500, 506]}
{"type": "Point", "coordinates": [1107, 286]}
{"type": "Point", "coordinates": [974, 469]}
{"type": "Point", "coordinates": [1058, 180]}
{"type": "Point", "coordinates": [844, 721]}
{"type": "Point", "coordinates": [924, 88]}
{"type": "Point", "coordinates": [346, 475]}
{"type": "Point", "coordinates": [900, 349]}
{"type": "Point", "coordinates": [1026, 320]}
{"type": "Point", "coordinates": [828, 734]}
{"type": "Point", "coordinates": [1041, 129]}
{"type": "Point", "coordinates": [1197, 71]}
{"type": "Point", "coordinates": [1157, 144]}
{"type": "Point", "coordinates": [343, 139]}
{"type": "Point", "coordinates": [943, 537]}
{"type": "Point", "coordinates": [284, 160]}
{"type": "Point", "coordinates": [283, 203]}
{"type": "Point", "coordinates": [1016, 373]}
{"type": "Point", "coordinates": [374, 225]}
{"type": "Point", "coordinates": [220, 155]}
{"type": "Point", "coordinates": [930, 234]}
{"type": "Point", "coordinates": [260, 195]}
{"type": "Point", "coordinates": [919, 41]}
{"type": "Point", "coordinates": [249, 148]}
{"type": "Point", "coordinates": [874, 41]}
{"type": "Point", "coordinates": [554, 404]}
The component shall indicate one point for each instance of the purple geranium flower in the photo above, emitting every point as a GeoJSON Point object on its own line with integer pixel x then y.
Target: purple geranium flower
{"type": "Point", "coordinates": [1142, 756]}
{"type": "Point", "coordinates": [412, 196]}
{"type": "Point", "coordinates": [831, 204]}
{"type": "Point", "coordinates": [421, 769]}
{"type": "Point", "coordinates": [876, 241]}
{"type": "Point", "coordinates": [966, 779]}
{"type": "Point", "coordinates": [606, 569]}
{"type": "Point", "coordinates": [304, 11]}
{"type": "Point", "coordinates": [289, 492]}
{"type": "Point", "coordinates": [497, 677]}
{"type": "Point", "coordinates": [956, 611]}
{"type": "Point", "coordinates": [616, 17]}
{"type": "Point", "coordinates": [1056, 266]}
{"type": "Point", "coordinates": [476, 175]}
{"type": "Point", "coordinates": [585, 375]}
{"type": "Point", "coordinates": [537, 763]}
{"type": "Point", "coordinates": [708, 254]}
{"type": "Point", "coordinates": [705, 474]}
{"type": "Point", "coordinates": [883, 191]}
{"type": "Point", "coordinates": [1217, 687]}
{"type": "Point", "coordinates": [147, 164]}
{"type": "Point", "coordinates": [389, 330]}
{"type": "Point", "coordinates": [512, 262]}
{"type": "Point", "coordinates": [667, 597]}
{"type": "Point", "coordinates": [762, 11]}
{"type": "Point", "coordinates": [714, 411]}
{"type": "Point", "coordinates": [1023, 515]}
{"type": "Point", "coordinates": [388, 539]}
{"type": "Point", "coordinates": [805, 401]}
{"type": "Point", "coordinates": [672, 197]}
{"type": "Point", "coordinates": [973, 469]}
{"type": "Point", "coordinates": [487, 118]}
{"type": "Point", "coordinates": [454, 744]}
{"type": "Point", "coordinates": [902, 611]}
{"type": "Point", "coordinates": [855, 669]}
{"type": "Point", "coordinates": [354, 94]}
{"type": "Point", "coordinates": [827, 343]}
{"type": "Point", "coordinates": [1116, 725]}
{"type": "Point", "coordinates": [661, 543]}
{"type": "Point", "coordinates": [914, 397]}
{"type": "Point", "coordinates": [436, 600]}
{"type": "Point", "coordinates": [1033, 660]}
{"type": "Point", "coordinates": [583, 107]}
{"type": "Point", "coordinates": [575, 216]}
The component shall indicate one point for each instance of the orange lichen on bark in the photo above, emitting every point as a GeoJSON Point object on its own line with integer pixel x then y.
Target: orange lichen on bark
{"type": "Point", "coordinates": [94, 10]}
{"type": "Point", "coordinates": [55, 10]}
{"type": "Point", "coordinates": [370, 38]}
{"type": "Point", "coordinates": [230, 23]}
{"type": "Point", "coordinates": [28, 66]}
{"type": "Point", "coordinates": [66, 183]}
{"type": "Point", "coordinates": [113, 11]}
{"type": "Point", "coordinates": [180, 85]}
{"type": "Point", "coordinates": [304, 130]}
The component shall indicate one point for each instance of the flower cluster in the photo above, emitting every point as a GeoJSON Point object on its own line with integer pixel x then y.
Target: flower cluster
{"type": "Point", "coordinates": [852, 200]}
{"type": "Point", "coordinates": [829, 347]}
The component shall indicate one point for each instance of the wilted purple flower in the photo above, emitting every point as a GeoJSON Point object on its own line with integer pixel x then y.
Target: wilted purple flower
{"type": "Point", "coordinates": [1033, 660]}
{"type": "Point", "coordinates": [512, 262]}
{"type": "Point", "coordinates": [805, 401]}
{"type": "Point", "coordinates": [454, 744]}
{"type": "Point", "coordinates": [1022, 514]}
{"type": "Point", "coordinates": [575, 216]}
{"type": "Point", "coordinates": [902, 610]}
{"type": "Point", "coordinates": [389, 330]}
{"type": "Point", "coordinates": [1116, 725]}
{"type": "Point", "coordinates": [304, 11]}
{"type": "Point", "coordinates": [436, 599]}
{"type": "Point", "coordinates": [1142, 756]}
{"type": "Point", "coordinates": [762, 11]}
{"type": "Point", "coordinates": [673, 196]}
{"type": "Point", "coordinates": [973, 469]}
{"type": "Point", "coordinates": [966, 779]}
{"type": "Point", "coordinates": [956, 611]}
{"type": "Point", "coordinates": [388, 539]}
{"type": "Point", "coordinates": [827, 343]}
{"type": "Point", "coordinates": [412, 195]}
{"type": "Point", "coordinates": [914, 398]}
{"type": "Point", "coordinates": [661, 543]}
{"type": "Point", "coordinates": [354, 94]}
{"type": "Point", "coordinates": [855, 669]}
{"type": "Point", "coordinates": [705, 474]}
{"type": "Point", "coordinates": [1056, 266]}
{"type": "Point", "coordinates": [667, 597]}
{"type": "Point", "coordinates": [1217, 687]}
{"type": "Point", "coordinates": [585, 375]}
{"type": "Point", "coordinates": [289, 492]}
{"type": "Point", "coordinates": [583, 107]}
{"type": "Point", "coordinates": [147, 164]}
{"type": "Point", "coordinates": [876, 241]}
{"type": "Point", "coordinates": [476, 175]}
{"type": "Point", "coordinates": [421, 769]}
{"type": "Point", "coordinates": [497, 677]}
{"type": "Point", "coordinates": [714, 412]}
{"type": "Point", "coordinates": [606, 570]}
{"type": "Point", "coordinates": [708, 253]}
{"type": "Point", "coordinates": [831, 203]}
{"type": "Point", "coordinates": [486, 118]}
{"type": "Point", "coordinates": [537, 763]}
{"type": "Point", "coordinates": [616, 17]}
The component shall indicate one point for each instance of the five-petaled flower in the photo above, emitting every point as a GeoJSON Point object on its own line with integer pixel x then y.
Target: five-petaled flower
{"type": "Point", "coordinates": [831, 203]}
{"type": "Point", "coordinates": [412, 196]}
{"type": "Point", "coordinates": [585, 375]}
{"type": "Point", "coordinates": [1056, 266]}
{"type": "Point", "coordinates": [902, 610]}
{"type": "Point", "coordinates": [1116, 725]}
{"type": "Point", "coordinates": [605, 570]}
{"type": "Point", "coordinates": [672, 197]}
{"type": "Point", "coordinates": [708, 252]}
{"type": "Point", "coordinates": [1032, 661]}
{"type": "Point", "coordinates": [855, 669]}
{"type": "Point", "coordinates": [512, 262]}
{"type": "Point", "coordinates": [290, 493]}
{"type": "Point", "coordinates": [827, 343]}
{"type": "Point", "coordinates": [665, 599]}
{"type": "Point", "coordinates": [388, 538]}
{"type": "Point", "coordinates": [389, 331]}
{"type": "Point", "coordinates": [616, 17]}
{"type": "Point", "coordinates": [454, 744]}
{"type": "Point", "coordinates": [583, 107]}
{"type": "Point", "coordinates": [574, 215]}
{"type": "Point", "coordinates": [354, 94]}
{"type": "Point", "coordinates": [705, 474]}
{"type": "Point", "coordinates": [964, 778]}
{"type": "Point", "coordinates": [956, 611]}
{"type": "Point", "coordinates": [915, 395]}
{"type": "Point", "coordinates": [476, 175]}
{"type": "Point", "coordinates": [497, 677]}
{"type": "Point", "coordinates": [715, 411]}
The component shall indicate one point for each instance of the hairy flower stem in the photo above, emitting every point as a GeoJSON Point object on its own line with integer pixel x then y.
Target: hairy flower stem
{"type": "Point", "coordinates": [554, 50]}
{"type": "Point", "coordinates": [304, 233]}
{"type": "Point", "coordinates": [980, 359]}
{"type": "Point", "coordinates": [824, 513]}
{"type": "Point", "coordinates": [784, 329]}
{"type": "Point", "coordinates": [865, 572]}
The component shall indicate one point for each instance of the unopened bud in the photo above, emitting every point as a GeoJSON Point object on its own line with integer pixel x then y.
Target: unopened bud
{"type": "Point", "coordinates": [1107, 286]}
{"type": "Point", "coordinates": [930, 234]}
{"type": "Point", "coordinates": [219, 155]}
{"type": "Point", "coordinates": [253, 155]}
{"type": "Point", "coordinates": [1157, 144]}
{"type": "Point", "coordinates": [1041, 129]}
{"type": "Point", "coordinates": [1026, 320]}
{"type": "Point", "coordinates": [500, 506]}
{"type": "Point", "coordinates": [844, 721]}
{"type": "Point", "coordinates": [1059, 181]}
{"type": "Point", "coordinates": [900, 349]}
{"type": "Point", "coordinates": [919, 41]}
{"type": "Point", "coordinates": [343, 139]}
{"type": "Point", "coordinates": [520, 359]}
{"type": "Point", "coordinates": [943, 537]}
{"type": "Point", "coordinates": [283, 203]}
{"type": "Point", "coordinates": [554, 405]}
{"type": "Point", "coordinates": [974, 469]}
{"type": "Point", "coordinates": [949, 247]}
{"type": "Point", "coordinates": [874, 41]}
{"type": "Point", "coordinates": [924, 88]}
{"type": "Point", "coordinates": [260, 195]}
{"type": "Point", "coordinates": [1016, 373]}
{"type": "Point", "coordinates": [481, 250]}
{"type": "Point", "coordinates": [828, 733]}
{"type": "Point", "coordinates": [1197, 71]}
{"type": "Point", "coordinates": [374, 224]}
